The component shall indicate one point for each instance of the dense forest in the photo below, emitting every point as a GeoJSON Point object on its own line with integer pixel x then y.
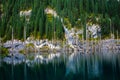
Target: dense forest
{"type": "Point", "coordinates": [106, 13]}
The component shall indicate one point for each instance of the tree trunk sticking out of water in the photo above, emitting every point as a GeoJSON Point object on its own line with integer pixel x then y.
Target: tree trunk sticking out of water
{"type": "Point", "coordinates": [117, 37]}
{"type": "Point", "coordinates": [100, 43]}
{"type": "Point", "coordinates": [24, 33]}
{"type": "Point", "coordinates": [12, 40]}
{"type": "Point", "coordinates": [25, 72]}
{"type": "Point", "coordinates": [0, 10]}
{"type": "Point", "coordinates": [87, 40]}
{"type": "Point", "coordinates": [0, 50]}
{"type": "Point", "coordinates": [82, 36]}
{"type": "Point", "coordinates": [12, 65]}
{"type": "Point", "coordinates": [110, 29]}
{"type": "Point", "coordinates": [0, 31]}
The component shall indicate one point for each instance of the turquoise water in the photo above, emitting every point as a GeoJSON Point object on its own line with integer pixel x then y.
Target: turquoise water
{"type": "Point", "coordinates": [75, 66]}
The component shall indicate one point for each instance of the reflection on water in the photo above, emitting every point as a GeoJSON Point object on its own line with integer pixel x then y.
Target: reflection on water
{"type": "Point", "coordinates": [75, 66]}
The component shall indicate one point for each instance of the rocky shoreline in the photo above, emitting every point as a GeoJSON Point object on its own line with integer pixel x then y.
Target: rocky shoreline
{"type": "Point", "coordinates": [18, 50]}
{"type": "Point", "coordinates": [17, 46]}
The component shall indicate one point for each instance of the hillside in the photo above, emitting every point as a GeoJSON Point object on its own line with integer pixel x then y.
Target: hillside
{"type": "Point", "coordinates": [77, 14]}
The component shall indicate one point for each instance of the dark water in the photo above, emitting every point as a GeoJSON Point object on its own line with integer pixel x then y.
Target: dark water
{"type": "Point", "coordinates": [76, 66]}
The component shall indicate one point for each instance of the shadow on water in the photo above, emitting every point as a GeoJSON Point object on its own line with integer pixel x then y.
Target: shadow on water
{"type": "Point", "coordinates": [76, 66]}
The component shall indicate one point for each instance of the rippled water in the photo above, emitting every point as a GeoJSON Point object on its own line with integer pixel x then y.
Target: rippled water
{"type": "Point", "coordinates": [75, 66]}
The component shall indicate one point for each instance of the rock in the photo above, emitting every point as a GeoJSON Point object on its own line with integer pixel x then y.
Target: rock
{"type": "Point", "coordinates": [25, 13]}
{"type": "Point", "coordinates": [15, 58]}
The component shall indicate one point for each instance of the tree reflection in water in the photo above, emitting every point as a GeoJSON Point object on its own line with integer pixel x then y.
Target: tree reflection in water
{"type": "Point", "coordinates": [76, 66]}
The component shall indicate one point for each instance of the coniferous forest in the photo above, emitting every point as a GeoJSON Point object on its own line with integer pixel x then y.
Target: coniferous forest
{"type": "Point", "coordinates": [41, 25]}
{"type": "Point", "coordinates": [59, 39]}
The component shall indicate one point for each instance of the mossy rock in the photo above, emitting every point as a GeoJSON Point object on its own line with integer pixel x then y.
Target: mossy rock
{"type": "Point", "coordinates": [30, 45]}
{"type": "Point", "coordinates": [4, 51]}
{"type": "Point", "coordinates": [44, 48]}
{"type": "Point", "coordinates": [22, 51]}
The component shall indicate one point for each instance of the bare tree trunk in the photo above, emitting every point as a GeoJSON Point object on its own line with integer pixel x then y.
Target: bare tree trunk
{"type": "Point", "coordinates": [86, 40]}
{"type": "Point", "coordinates": [117, 37]}
{"type": "Point", "coordinates": [12, 38]}
{"type": "Point", "coordinates": [12, 54]}
{"type": "Point", "coordinates": [0, 50]}
{"type": "Point", "coordinates": [0, 33]}
{"type": "Point", "coordinates": [25, 67]}
{"type": "Point", "coordinates": [0, 10]}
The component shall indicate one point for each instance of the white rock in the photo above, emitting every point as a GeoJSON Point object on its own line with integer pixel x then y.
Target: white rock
{"type": "Point", "coordinates": [25, 13]}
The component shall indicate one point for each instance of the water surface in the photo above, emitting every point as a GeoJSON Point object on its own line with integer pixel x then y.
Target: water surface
{"type": "Point", "coordinates": [74, 66]}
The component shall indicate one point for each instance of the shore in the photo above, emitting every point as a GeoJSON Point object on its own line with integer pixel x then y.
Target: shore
{"type": "Point", "coordinates": [16, 46]}
{"type": "Point", "coordinates": [18, 50]}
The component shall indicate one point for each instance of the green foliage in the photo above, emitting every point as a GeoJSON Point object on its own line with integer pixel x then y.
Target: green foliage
{"type": "Point", "coordinates": [4, 51]}
{"type": "Point", "coordinates": [45, 26]}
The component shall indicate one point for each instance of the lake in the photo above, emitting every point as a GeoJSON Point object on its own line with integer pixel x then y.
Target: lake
{"type": "Point", "coordinates": [66, 66]}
